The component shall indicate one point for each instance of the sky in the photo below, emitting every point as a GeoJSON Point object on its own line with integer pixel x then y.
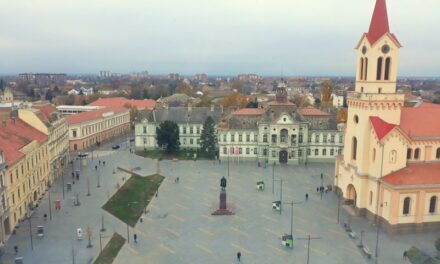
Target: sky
{"type": "Point", "coordinates": [217, 37]}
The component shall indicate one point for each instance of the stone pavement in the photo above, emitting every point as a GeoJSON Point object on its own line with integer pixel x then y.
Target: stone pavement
{"type": "Point", "coordinates": [179, 228]}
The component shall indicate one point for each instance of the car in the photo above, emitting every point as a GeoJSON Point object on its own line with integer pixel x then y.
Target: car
{"type": "Point", "coordinates": [83, 155]}
{"type": "Point", "coordinates": [116, 147]}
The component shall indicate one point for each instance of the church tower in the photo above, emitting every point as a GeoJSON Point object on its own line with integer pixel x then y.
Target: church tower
{"type": "Point", "coordinates": [375, 91]}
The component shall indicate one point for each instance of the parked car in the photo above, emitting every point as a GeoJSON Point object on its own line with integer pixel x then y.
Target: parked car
{"type": "Point", "coordinates": [116, 147]}
{"type": "Point", "coordinates": [83, 155]}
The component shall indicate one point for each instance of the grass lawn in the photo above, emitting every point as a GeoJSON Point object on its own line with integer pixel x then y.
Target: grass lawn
{"type": "Point", "coordinates": [130, 201]}
{"type": "Point", "coordinates": [181, 155]}
{"type": "Point", "coordinates": [111, 250]}
{"type": "Point", "coordinates": [416, 256]}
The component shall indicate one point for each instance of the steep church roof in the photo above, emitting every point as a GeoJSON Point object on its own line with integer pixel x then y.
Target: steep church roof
{"type": "Point", "coordinates": [381, 127]}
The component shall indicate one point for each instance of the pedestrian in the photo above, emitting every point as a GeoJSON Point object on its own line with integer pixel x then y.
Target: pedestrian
{"type": "Point", "coordinates": [73, 175]}
{"type": "Point", "coordinates": [16, 249]}
{"type": "Point", "coordinates": [103, 163]}
{"type": "Point", "coordinates": [96, 167]}
{"type": "Point", "coordinates": [157, 193]}
{"type": "Point", "coordinates": [305, 163]}
{"type": "Point", "coordinates": [99, 162]}
{"type": "Point", "coordinates": [307, 196]}
{"type": "Point", "coordinates": [219, 161]}
{"type": "Point", "coordinates": [77, 176]}
{"type": "Point", "coordinates": [135, 238]}
{"type": "Point", "coordinates": [405, 255]}
{"type": "Point", "coordinates": [141, 220]}
{"type": "Point", "coordinates": [317, 189]}
{"type": "Point", "coordinates": [45, 217]}
{"type": "Point", "coordinates": [239, 256]}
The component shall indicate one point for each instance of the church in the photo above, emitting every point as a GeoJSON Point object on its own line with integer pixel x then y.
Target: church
{"type": "Point", "coordinates": [389, 170]}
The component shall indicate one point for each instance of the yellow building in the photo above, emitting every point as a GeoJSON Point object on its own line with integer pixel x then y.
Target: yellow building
{"type": "Point", "coordinates": [390, 167]}
{"type": "Point", "coordinates": [26, 171]}
{"type": "Point", "coordinates": [46, 119]}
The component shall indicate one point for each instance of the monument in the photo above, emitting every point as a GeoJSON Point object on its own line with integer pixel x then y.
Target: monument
{"type": "Point", "coordinates": [223, 207]}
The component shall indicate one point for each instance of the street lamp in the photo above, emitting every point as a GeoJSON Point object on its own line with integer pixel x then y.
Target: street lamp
{"type": "Point", "coordinates": [50, 203]}
{"type": "Point", "coordinates": [98, 185]}
{"type": "Point", "coordinates": [273, 178]}
{"type": "Point", "coordinates": [281, 193]}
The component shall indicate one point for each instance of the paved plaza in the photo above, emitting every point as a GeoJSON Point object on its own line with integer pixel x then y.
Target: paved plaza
{"type": "Point", "coordinates": [178, 226]}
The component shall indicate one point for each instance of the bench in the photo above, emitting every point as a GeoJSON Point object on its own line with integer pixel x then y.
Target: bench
{"type": "Point", "coordinates": [352, 234]}
{"type": "Point", "coordinates": [366, 251]}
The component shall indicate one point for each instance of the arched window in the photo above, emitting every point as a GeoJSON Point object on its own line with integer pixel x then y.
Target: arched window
{"type": "Point", "coordinates": [371, 198]}
{"type": "Point", "coordinates": [437, 155]}
{"type": "Point", "coordinates": [274, 138]}
{"type": "Point", "coordinates": [374, 154]}
{"type": "Point", "coordinates": [283, 135]}
{"type": "Point", "coordinates": [417, 154]}
{"type": "Point", "coordinates": [432, 204]}
{"type": "Point", "coordinates": [354, 148]}
{"type": "Point", "coordinates": [387, 68]}
{"type": "Point", "coordinates": [406, 204]}
{"type": "Point", "coordinates": [366, 69]}
{"type": "Point", "coordinates": [409, 153]}
{"type": "Point", "coordinates": [265, 138]}
{"type": "Point", "coordinates": [379, 69]}
{"type": "Point", "coordinates": [361, 73]}
{"type": "Point", "coordinates": [393, 156]}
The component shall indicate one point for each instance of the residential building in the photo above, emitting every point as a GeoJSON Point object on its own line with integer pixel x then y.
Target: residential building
{"type": "Point", "coordinates": [280, 133]}
{"type": "Point", "coordinates": [90, 128]}
{"type": "Point", "coordinates": [189, 119]}
{"type": "Point", "coordinates": [76, 109]}
{"type": "Point", "coordinates": [145, 104]}
{"type": "Point", "coordinates": [338, 99]}
{"type": "Point", "coordinates": [26, 171]}
{"type": "Point", "coordinates": [43, 79]}
{"type": "Point", "coordinates": [4, 209]}
{"type": "Point", "coordinates": [6, 96]}
{"type": "Point", "coordinates": [46, 119]}
{"type": "Point", "coordinates": [390, 168]}
{"type": "Point", "coordinates": [81, 91]}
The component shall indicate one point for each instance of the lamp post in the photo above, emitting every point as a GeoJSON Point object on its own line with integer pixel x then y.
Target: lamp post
{"type": "Point", "coordinates": [102, 223]}
{"type": "Point", "coordinates": [308, 238]}
{"type": "Point", "coordinates": [281, 193]}
{"type": "Point", "coordinates": [339, 205]}
{"type": "Point", "coordinates": [50, 203]}
{"type": "Point", "coordinates": [228, 162]}
{"type": "Point", "coordinates": [98, 184]}
{"type": "Point", "coordinates": [30, 232]}
{"type": "Point", "coordinates": [273, 177]}
{"type": "Point", "coordinates": [62, 179]}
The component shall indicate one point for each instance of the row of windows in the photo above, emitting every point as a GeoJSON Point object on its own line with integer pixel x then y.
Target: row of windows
{"type": "Point", "coordinates": [191, 129]}
{"type": "Point", "coordinates": [238, 151]}
{"type": "Point", "coordinates": [191, 141]}
{"type": "Point", "coordinates": [407, 205]}
{"type": "Point", "coordinates": [31, 162]}
{"type": "Point", "coordinates": [241, 137]}
{"type": "Point", "coordinates": [416, 156]}
{"type": "Point", "coordinates": [90, 129]}
{"type": "Point", "coordinates": [292, 154]}
{"type": "Point", "coordinates": [383, 72]}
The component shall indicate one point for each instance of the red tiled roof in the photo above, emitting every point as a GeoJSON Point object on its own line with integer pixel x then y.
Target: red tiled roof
{"type": "Point", "coordinates": [275, 103]}
{"type": "Point", "coordinates": [421, 121]}
{"type": "Point", "coordinates": [415, 174]}
{"type": "Point", "coordinates": [94, 114]}
{"type": "Point", "coordinates": [249, 112]}
{"type": "Point", "coordinates": [379, 25]}
{"type": "Point", "coordinates": [15, 136]}
{"type": "Point", "coordinates": [311, 111]}
{"type": "Point", "coordinates": [121, 101]}
{"type": "Point", "coordinates": [381, 127]}
{"type": "Point", "coordinates": [45, 112]}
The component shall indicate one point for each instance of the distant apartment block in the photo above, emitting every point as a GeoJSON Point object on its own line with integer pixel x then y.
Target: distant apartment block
{"type": "Point", "coordinates": [43, 79]}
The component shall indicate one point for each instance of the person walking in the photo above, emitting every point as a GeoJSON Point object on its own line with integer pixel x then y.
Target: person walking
{"type": "Point", "coordinates": [307, 196]}
{"type": "Point", "coordinates": [239, 256]}
{"type": "Point", "coordinates": [99, 162]}
{"type": "Point", "coordinates": [103, 162]}
{"type": "Point", "coordinates": [135, 238]}
{"type": "Point", "coordinates": [16, 249]}
{"type": "Point", "coordinates": [405, 255]}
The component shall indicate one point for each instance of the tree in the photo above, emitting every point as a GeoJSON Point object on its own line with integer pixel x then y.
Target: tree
{"type": "Point", "coordinates": [301, 100]}
{"type": "Point", "coordinates": [326, 95]}
{"type": "Point", "coordinates": [134, 112]}
{"type": "Point", "coordinates": [208, 139]}
{"type": "Point", "coordinates": [341, 116]}
{"type": "Point", "coordinates": [318, 102]}
{"type": "Point", "coordinates": [70, 100]}
{"type": "Point", "coordinates": [49, 95]}
{"type": "Point", "coordinates": [252, 104]}
{"type": "Point", "coordinates": [168, 136]}
{"type": "Point", "coordinates": [234, 99]}
{"type": "Point", "coordinates": [185, 89]}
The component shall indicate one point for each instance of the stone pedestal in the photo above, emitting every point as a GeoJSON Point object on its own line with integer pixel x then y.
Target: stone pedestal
{"type": "Point", "coordinates": [223, 207]}
{"type": "Point", "coordinates": [223, 200]}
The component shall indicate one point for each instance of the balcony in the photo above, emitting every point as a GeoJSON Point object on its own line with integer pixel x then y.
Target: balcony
{"type": "Point", "coordinates": [376, 97]}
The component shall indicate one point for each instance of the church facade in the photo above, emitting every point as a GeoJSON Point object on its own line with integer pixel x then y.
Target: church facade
{"type": "Point", "coordinates": [389, 170]}
{"type": "Point", "coordinates": [280, 133]}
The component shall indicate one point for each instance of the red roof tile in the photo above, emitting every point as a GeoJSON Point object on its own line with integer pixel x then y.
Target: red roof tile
{"type": "Point", "coordinates": [381, 127]}
{"type": "Point", "coordinates": [415, 174]}
{"type": "Point", "coordinates": [15, 136]}
{"type": "Point", "coordinates": [249, 112]}
{"type": "Point", "coordinates": [421, 121]}
{"type": "Point", "coordinates": [311, 111]}
{"type": "Point", "coordinates": [121, 101]}
{"type": "Point", "coordinates": [94, 114]}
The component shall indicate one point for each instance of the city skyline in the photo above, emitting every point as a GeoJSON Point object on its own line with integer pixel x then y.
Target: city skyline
{"type": "Point", "coordinates": [219, 38]}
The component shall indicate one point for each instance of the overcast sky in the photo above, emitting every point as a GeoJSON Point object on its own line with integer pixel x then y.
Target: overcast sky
{"type": "Point", "coordinates": [268, 37]}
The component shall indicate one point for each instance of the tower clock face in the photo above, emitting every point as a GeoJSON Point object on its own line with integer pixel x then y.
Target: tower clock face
{"type": "Point", "coordinates": [364, 50]}
{"type": "Point", "coordinates": [385, 49]}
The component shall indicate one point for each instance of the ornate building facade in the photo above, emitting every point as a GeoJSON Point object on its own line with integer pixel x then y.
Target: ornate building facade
{"type": "Point", "coordinates": [390, 167]}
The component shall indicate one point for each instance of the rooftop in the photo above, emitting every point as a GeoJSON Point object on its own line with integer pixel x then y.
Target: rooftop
{"type": "Point", "coordinates": [249, 112]}
{"type": "Point", "coordinates": [381, 127]}
{"type": "Point", "coordinates": [311, 111]}
{"type": "Point", "coordinates": [419, 122]}
{"type": "Point", "coordinates": [121, 102]}
{"type": "Point", "coordinates": [94, 114]}
{"type": "Point", "coordinates": [415, 174]}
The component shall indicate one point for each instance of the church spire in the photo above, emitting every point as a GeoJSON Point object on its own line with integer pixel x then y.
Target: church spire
{"type": "Point", "coordinates": [379, 22]}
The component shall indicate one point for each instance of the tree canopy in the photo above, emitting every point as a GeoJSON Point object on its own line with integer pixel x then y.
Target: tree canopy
{"type": "Point", "coordinates": [168, 136]}
{"type": "Point", "coordinates": [326, 95]}
{"type": "Point", "coordinates": [208, 139]}
{"type": "Point", "coordinates": [234, 100]}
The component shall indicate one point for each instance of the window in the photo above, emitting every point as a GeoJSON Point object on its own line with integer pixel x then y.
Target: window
{"type": "Point", "coordinates": [255, 151]}
{"type": "Point", "coordinates": [308, 152]}
{"type": "Point", "coordinates": [274, 153]}
{"type": "Point", "coordinates": [354, 149]}
{"type": "Point", "coordinates": [191, 130]}
{"type": "Point", "coordinates": [324, 139]}
{"type": "Point", "coordinates": [264, 152]}
{"type": "Point", "coordinates": [387, 68]}
{"type": "Point", "coordinates": [309, 139]}
{"type": "Point", "coordinates": [74, 133]}
{"type": "Point", "coordinates": [240, 150]}
{"type": "Point", "coordinates": [232, 138]}
{"type": "Point", "coordinates": [417, 154]}
{"type": "Point", "coordinates": [300, 138]}
{"type": "Point", "coordinates": [366, 70]}
{"type": "Point", "coordinates": [264, 138]}
{"type": "Point", "coordinates": [406, 204]}
{"type": "Point", "coordinates": [340, 151]}
{"type": "Point", "coordinates": [324, 152]}
{"type": "Point", "coordinates": [409, 153]}
{"type": "Point", "coordinates": [184, 130]}
{"type": "Point", "coordinates": [145, 129]}
{"type": "Point", "coordinates": [379, 69]}
{"type": "Point", "coordinates": [356, 119]}
{"type": "Point", "coordinates": [283, 135]}
{"type": "Point", "coordinates": [316, 138]}
{"type": "Point", "coordinates": [332, 152]}
{"type": "Point", "coordinates": [225, 150]}
{"type": "Point", "coordinates": [300, 152]}
{"type": "Point", "coordinates": [332, 138]}
{"type": "Point", "coordinates": [340, 138]}
{"type": "Point", "coordinates": [371, 198]}
{"type": "Point", "coordinates": [198, 141]}
{"type": "Point", "coordinates": [374, 154]}
{"type": "Point", "coordinates": [248, 151]}
{"type": "Point", "coordinates": [274, 138]}
{"type": "Point", "coordinates": [293, 139]}
{"type": "Point", "coordinates": [379, 91]}
{"type": "Point", "coordinates": [184, 141]}
{"type": "Point", "coordinates": [316, 152]}
{"type": "Point", "coordinates": [198, 130]}
{"type": "Point", "coordinates": [224, 137]}
{"type": "Point", "coordinates": [248, 138]}
{"type": "Point", "coordinates": [393, 156]}
{"type": "Point", "coordinates": [361, 73]}
{"type": "Point", "coordinates": [432, 204]}
{"type": "Point", "coordinates": [437, 155]}
{"type": "Point", "coordinates": [293, 154]}
{"type": "Point", "coordinates": [240, 138]}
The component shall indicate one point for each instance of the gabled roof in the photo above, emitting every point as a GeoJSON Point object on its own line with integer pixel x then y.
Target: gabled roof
{"type": "Point", "coordinates": [249, 112]}
{"type": "Point", "coordinates": [415, 174]}
{"type": "Point", "coordinates": [311, 111]}
{"type": "Point", "coordinates": [94, 114]}
{"type": "Point", "coordinates": [379, 25]}
{"type": "Point", "coordinates": [421, 122]}
{"type": "Point", "coordinates": [14, 136]}
{"type": "Point", "coordinates": [381, 127]}
{"type": "Point", "coordinates": [46, 112]}
{"type": "Point", "coordinates": [121, 102]}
